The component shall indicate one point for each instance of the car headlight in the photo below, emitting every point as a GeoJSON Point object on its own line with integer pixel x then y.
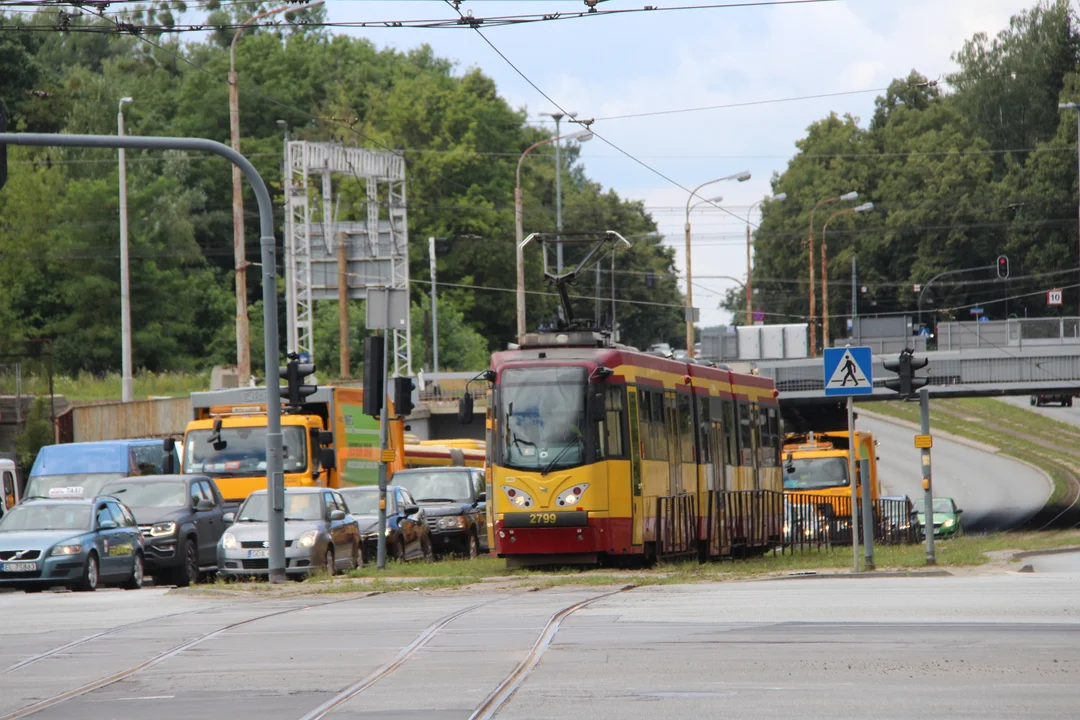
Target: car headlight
{"type": "Point", "coordinates": [228, 541]}
{"type": "Point", "coordinates": [451, 523]}
{"type": "Point", "coordinates": [164, 529]}
{"type": "Point", "coordinates": [517, 496]}
{"type": "Point", "coordinates": [571, 496]}
{"type": "Point", "coordinates": [948, 523]}
{"type": "Point", "coordinates": [66, 550]}
{"type": "Point", "coordinates": [308, 539]}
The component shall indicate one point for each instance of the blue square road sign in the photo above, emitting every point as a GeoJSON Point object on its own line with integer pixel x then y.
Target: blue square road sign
{"type": "Point", "coordinates": [848, 371]}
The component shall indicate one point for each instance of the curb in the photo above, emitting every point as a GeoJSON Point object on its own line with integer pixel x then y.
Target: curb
{"type": "Point", "coordinates": [1034, 553]}
{"type": "Point", "coordinates": [859, 575]}
{"type": "Point", "coordinates": [936, 433]}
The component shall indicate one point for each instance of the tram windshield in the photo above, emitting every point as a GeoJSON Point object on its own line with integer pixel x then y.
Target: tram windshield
{"type": "Point", "coordinates": [542, 412]}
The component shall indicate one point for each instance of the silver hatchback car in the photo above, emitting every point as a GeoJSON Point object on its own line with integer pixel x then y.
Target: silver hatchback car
{"type": "Point", "coordinates": [320, 534]}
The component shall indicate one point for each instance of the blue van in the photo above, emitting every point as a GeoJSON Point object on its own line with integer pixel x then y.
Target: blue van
{"type": "Point", "coordinates": [82, 469]}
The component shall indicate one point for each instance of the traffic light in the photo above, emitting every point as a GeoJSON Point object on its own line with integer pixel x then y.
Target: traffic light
{"type": "Point", "coordinates": [1003, 266]}
{"type": "Point", "coordinates": [374, 388]}
{"type": "Point", "coordinates": [403, 388]}
{"type": "Point", "coordinates": [905, 366]}
{"type": "Point", "coordinates": [294, 373]}
{"type": "Point", "coordinates": [442, 246]}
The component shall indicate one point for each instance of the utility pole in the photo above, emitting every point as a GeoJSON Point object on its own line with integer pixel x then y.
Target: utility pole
{"type": "Point", "coordinates": [854, 302]}
{"type": "Point", "coordinates": [127, 392]}
{"type": "Point", "coordinates": [434, 315]}
{"type": "Point", "coordinates": [343, 306]}
{"type": "Point", "coordinates": [928, 488]}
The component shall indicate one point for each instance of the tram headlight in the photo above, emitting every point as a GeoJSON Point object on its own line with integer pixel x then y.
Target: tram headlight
{"type": "Point", "coordinates": [572, 495]}
{"type": "Point", "coordinates": [518, 496]}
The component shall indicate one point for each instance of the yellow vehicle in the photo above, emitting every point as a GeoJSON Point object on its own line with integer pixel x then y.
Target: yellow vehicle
{"type": "Point", "coordinates": [328, 441]}
{"type": "Point", "coordinates": [816, 463]}
{"type": "Point", "coordinates": [444, 453]}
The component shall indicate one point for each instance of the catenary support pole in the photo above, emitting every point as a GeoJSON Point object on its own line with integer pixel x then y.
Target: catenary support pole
{"type": "Point", "coordinates": [851, 475]}
{"type": "Point", "coordinates": [854, 303]}
{"type": "Point", "coordinates": [384, 441]}
{"type": "Point", "coordinates": [434, 314]}
{"type": "Point", "coordinates": [275, 479]}
{"type": "Point", "coordinates": [345, 361]}
{"type": "Point", "coordinates": [928, 488]}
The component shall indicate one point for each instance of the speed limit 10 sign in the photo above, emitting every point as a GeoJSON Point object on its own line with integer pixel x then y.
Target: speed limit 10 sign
{"type": "Point", "coordinates": [1053, 297]}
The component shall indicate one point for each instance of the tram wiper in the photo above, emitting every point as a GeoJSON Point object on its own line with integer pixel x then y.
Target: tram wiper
{"type": "Point", "coordinates": [558, 457]}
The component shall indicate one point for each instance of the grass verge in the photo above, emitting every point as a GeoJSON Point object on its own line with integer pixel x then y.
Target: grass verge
{"type": "Point", "coordinates": [968, 551]}
{"type": "Point", "coordinates": [87, 388]}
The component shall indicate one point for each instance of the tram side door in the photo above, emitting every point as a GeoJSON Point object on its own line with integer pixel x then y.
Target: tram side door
{"type": "Point", "coordinates": [674, 455]}
{"type": "Point", "coordinates": [635, 453]}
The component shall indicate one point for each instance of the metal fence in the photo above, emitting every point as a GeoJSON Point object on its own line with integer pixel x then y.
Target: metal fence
{"type": "Point", "coordinates": [821, 521]}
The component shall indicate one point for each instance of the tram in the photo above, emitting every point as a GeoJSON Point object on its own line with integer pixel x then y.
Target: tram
{"type": "Point", "coordinates": [599, 452]}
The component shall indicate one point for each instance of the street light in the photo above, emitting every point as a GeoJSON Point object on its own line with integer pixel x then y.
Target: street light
{"type": "Point", "coordinates": [1076, 107]}
{"type": "Point", "coordinates": [749, 281]}
{"type": "Point", "coordinates": [741, 177]}
{"type": "Point", "coordinates": [243, 346]}
{"type": "Point", "coordinates": [865, 207]}
{"type": "Point", "coordinates": [557, 117]}
{"type": "Point", "coordinates": [519, 231]}
{"type": "Point", "coordinates": [813, 293]}
{"type": "Point", "coordinates": [127, 384]}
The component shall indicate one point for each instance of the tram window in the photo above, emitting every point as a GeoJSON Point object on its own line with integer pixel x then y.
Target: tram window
{"type": "Point", "coordinates": [766, 422]}
{"type": "Point", "coordinates": [614, 422]}
{"type": "Point", "coordinates": [774, 432]}
{"type": "Point", "coordinates": [685, 424]}
{"type": "Point", "coordinates": [653, 426]}
{"type": "Point", "coordinates": [731, 452]}
{"type": "Point", "coordinates": [746, 435]}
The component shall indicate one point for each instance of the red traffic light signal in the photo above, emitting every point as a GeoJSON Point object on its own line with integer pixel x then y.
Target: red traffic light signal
{"type": "Point", "coordinates": [1003, 266]}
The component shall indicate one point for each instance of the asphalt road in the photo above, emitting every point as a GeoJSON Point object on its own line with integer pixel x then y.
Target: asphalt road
{"type": "Point", "coordinates": [1004, 645]}
{"type": "Point", "coordinates": [995, 492]}
{"type": "Point", "coordinates": [1064, 414]}
{"type": "Point", "coordinates": [1055, 563]}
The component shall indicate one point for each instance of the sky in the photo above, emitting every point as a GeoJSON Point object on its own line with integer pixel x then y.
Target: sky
{"type": "Point", "coordinates": [602, 67]}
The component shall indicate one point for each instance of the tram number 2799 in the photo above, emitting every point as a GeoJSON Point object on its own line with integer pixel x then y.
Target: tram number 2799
{"type": "Point", "coordinates": [575, 518]}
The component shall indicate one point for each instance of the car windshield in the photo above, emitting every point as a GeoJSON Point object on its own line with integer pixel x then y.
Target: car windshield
{"type": "Point", "coordinates": [429, 486]}
{"type": "Point", "coordinates": [243, 453]}
{"type": "Point", "coordinates": [298, 507]}
{"type": "Point", "coordinates": [50, 516]}
{"type": "Point", "coordinates": [816, 473]}
{"type": "Point", "coordinates": [940, 506]}
{"type": "Point", "coordinates": [85, 485]}
{"type": "Point", "coordinates": [149, 494]}
{"type": "Point", "coordinates": [363, 502]}
{"type": "Point", "coordinates": [542, 410]}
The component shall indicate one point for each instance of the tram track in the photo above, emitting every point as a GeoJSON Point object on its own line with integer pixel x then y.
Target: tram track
{"type": "Point", "coordinates": [103, 682]}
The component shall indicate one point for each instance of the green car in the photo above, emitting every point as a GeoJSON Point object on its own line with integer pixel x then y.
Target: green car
{"type": "Point", "coordinates": [947, 523]}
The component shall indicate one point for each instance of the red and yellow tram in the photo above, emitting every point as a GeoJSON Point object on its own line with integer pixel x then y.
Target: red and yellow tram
{"type": "Point", "coordinates": [599, 452]}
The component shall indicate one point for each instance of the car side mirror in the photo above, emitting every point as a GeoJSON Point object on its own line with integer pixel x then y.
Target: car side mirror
{"type": "Point", "coordinates": [465, 410]}
{"type": "Point", "coordinates": [204, 505]}
{"type": "Point", "coordinates": [107, 525]}
{"type": "Point", "coordinates": [412, 509]}
{"type": "Point", "coordinates": [959, 511]}
{"type": "Point", "coordinates": [229, 517]}
{"type": "Point", "coordinates": [337, 515]}
{"type": "Point", "coordinates": [327, 458]}
{"type": "Point", "coordinates": [482, 497]}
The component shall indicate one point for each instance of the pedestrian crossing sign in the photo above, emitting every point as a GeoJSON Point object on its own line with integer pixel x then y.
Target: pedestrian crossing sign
{"type": "Point", "coordinates": [848, 371]}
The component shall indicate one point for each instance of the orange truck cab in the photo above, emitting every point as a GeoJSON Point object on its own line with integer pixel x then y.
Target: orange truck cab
{"type": "Point", "coordinates": [327, 441]}
{"type": "Point", "coordinates": [817, 463]}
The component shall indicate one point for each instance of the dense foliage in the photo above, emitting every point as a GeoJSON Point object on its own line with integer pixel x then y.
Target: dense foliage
{"type": "Point", "coordinates": [959, 171]}
{"type": "Point", "coordinates": [59, 210]}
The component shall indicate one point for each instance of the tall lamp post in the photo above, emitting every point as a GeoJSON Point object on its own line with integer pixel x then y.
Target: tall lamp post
{"type": "Point", "coordinates": [865, 207]}
{"type": "Point", "coordinates": [557, 117]}
{"type": "Point", "coordinates": [749, 281]}
{"type": "Point", "coordinates": [519, 229]}
{"type": "Point", "coordinates": [1076, 107]}
{"type": "Point", "coordinates": [741, 177]}
{"type": "Point", "coordinates": [243, 345]}
{"type": "Point", "coordinates": [127, 384]}
{"type": "Point", "coordinates": [813, 291]}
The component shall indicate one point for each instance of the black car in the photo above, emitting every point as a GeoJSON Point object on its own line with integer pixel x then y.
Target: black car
{"type": "Point", "coordinates": [407, 533]}
{"type": "Point", "coordinates": [1064, 399]}
{"type": "Point", "coordinates": [180, 517]}
{"type": "Point", "coordinates": [454, 503]}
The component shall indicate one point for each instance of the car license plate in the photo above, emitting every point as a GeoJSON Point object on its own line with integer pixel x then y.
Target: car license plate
{"type": "Point", "coordinates": [18, 567]}
{"type": "Point", "coordinates": [257, 554]}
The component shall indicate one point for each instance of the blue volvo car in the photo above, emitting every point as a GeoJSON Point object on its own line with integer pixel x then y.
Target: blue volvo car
{"type": "Point", "coordinates": [78, 543]}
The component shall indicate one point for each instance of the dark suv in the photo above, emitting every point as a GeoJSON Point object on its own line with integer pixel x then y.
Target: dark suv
{"type": "Point", "coordinates": [180, 517]}
{"type": "Point", "coordinates": [454, 503]}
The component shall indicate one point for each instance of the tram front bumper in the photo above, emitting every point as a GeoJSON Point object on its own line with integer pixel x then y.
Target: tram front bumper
{"type": "Point", "coordinates": [586, 538]}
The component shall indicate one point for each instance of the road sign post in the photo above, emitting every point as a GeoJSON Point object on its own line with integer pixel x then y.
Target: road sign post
{"type": "Point", "coordinates": [849, 372]}
{"type": "Point", "coordinates": [928, 491]}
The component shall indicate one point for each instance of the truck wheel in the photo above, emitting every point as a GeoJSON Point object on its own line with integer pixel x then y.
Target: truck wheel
{"type": "Point", "coordinates": [188, 573]}
{"type": "Point", "coordinates": [89, 580]}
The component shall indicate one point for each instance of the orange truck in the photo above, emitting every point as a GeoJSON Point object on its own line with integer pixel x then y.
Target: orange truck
{"type": "Point", "coordinates": [816, 463]}
{"type": "Point", "coordinates": [328, 440]}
